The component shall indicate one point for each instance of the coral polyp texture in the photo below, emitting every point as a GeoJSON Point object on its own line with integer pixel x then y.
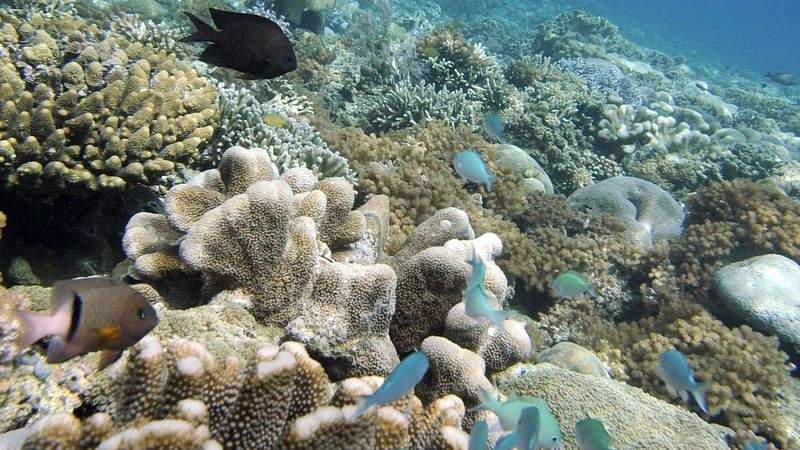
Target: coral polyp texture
{"type": "Point", "coordinates": [243, 227]}
{"type": "Point", "coordinates": [86, 110]}
{"type": "Point", "coordinates": [176, 395]}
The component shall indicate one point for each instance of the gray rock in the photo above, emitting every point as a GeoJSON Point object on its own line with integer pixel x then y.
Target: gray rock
{"type": "Point", "coordinates": [534, 178]}
{"type": "Point", "coordinates": [575, 358]}
{"type": "Point", "coordinates": [762, 291]}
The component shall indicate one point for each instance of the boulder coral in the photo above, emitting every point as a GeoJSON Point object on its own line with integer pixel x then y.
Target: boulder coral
{"type": "Point", "coordinates": [649, 212]}
{"type": "Point", "coordinates": [84, 111]}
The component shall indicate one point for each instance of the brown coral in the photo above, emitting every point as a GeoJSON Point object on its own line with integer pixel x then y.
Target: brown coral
{"type": "Point", "coordinates": [114, 113]}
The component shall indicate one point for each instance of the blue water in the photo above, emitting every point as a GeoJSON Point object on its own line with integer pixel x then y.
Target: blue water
{"type": "Point", "coordinates": [757, 36]}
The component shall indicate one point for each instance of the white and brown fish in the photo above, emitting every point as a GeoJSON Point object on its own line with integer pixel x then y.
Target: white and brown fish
{"type": "Point", "coordinates": [87, 315]}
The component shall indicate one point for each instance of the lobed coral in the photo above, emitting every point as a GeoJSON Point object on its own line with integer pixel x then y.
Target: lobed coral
{"type": "Point", "coordinates": [175, 395]}
{"type": "Point", "coordinates": [85, 111]}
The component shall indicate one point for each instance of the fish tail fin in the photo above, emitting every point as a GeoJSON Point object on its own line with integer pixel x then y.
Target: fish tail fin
{"type": "Point", "coordinates": [699, 395]}
{"type": "Point", "coordinates": [35, 327]}
{"type": "Point", "coordinates": [490, 182]}
{"type": "Point", "coordinates": [205, 32]}
{"type": "Point", "coordinates": [488, 401]}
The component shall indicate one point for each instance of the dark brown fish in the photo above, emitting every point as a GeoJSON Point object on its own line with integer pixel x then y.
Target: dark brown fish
{"type": "Point", "coordinates": [251, 44]}
{"type": "Point", "coordinates": [90, 314]}
{"type": "Point", "coordinates": [312, 21]}
{"type": "Point", "coordinates": [786, 79]}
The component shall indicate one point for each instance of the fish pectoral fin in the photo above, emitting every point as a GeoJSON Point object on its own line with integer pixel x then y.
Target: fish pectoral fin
{"type": "Point", "coordinates": [107, 357]}
{"type": "Point", "coordinates": [59, 350]}
{"type": "Point", "coordinates": [109, 333]}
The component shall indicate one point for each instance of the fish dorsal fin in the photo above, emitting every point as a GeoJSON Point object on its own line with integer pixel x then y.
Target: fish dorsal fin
{"type": "Point", "coordinates": [229, 19]}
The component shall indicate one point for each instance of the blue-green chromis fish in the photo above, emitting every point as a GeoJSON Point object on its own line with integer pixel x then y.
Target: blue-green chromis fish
{"type": "Point", "coordinates": [507, 442]}
{"type": "Point", "coordinates": [592, 435]}
{"type": "Point", "coordinates": [402, 379]}
{"type": "Point", "coordinates": [510, 411]}
{"type": "Point", "coordinates": [470, 167]}
{"type": "Point", "coordinates": [493, 125]}
{"type": "Point", "coordinates": [476, 305]}
{"type": "Point", "coordinates": [87, 315]}
{"type": "Point", "coordinates": [528, 428]}
{"type": "Point", "coordinates": [753, 445]}
{"type": "Point", "coordinates": [573, 284]}
{"type": "Point", "coordinates": [478, 273]}
{"type": "Point", "coordinates": [674, 369]}
{"type": "Point", "coordinates": [479, 436]}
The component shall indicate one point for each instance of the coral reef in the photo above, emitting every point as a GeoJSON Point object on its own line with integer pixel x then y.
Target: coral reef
{"type": "Point", "coordinates": [632, 417]}
{"type": "Point", "coordinates": [745, 368]}
{"type": "Point", "coordinates": [177, 395]}
{"type": "Point", "coordinates": [84, 111]}
{"type": "Point", "coordinates": [279, 125]}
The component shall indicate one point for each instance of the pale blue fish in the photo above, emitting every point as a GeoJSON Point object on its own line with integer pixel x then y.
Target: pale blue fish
{"type": "Point", "coordinates": [494, 127]}
{"type": "Point", "coordinates": [510, 411]}
{"type": "Point", "coordinates": [478, 436]}
{"type": "Point", "coordinates": [478, 273]}
{"type": "Point", "coordinates": [476, 305]}
{"type": "Point", "coordinates": [756, 445]}
{"type": "Point", "coordinates": [471, 167]}
{"type": "Point", "coordinates": [674, 369]}
{"type": "Point", "coordinates": [528, 428]}
{"type": "Point", "coordinates": [572, 284]}
{"type": "Point", "coordinates": [592, 435]}
{"type": "Point", "coordinates": [507, 442]}
{"type": "Point", "coordinates": [402, 379]}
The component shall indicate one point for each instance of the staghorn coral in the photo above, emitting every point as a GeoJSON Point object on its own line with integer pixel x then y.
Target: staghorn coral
{"type": "Point", "coordinates": [176, 395]}
{"type": "Point", "coordinates": [405, 104]}
{"type": "Point", "coordinates": [457, 65]}
{"type": "Point", "coordinates": [84, 111]}
{"type": "Point", "coordinates": [292, 142]}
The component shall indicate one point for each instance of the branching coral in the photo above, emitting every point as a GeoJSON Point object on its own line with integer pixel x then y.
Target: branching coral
{"type": "Point", "coordinates": [280, 126]}
{"type": "Point", "coordinates": [86, 112]}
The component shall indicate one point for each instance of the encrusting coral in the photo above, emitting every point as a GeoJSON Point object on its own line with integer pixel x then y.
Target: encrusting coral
{"type": "Point", "coordinates": [86, 111]}
{"type": "Point", "coordinates": [176, 395]}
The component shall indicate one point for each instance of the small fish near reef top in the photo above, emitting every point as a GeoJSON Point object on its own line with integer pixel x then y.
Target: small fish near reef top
{"type": "Point", "coordinates": [786, 79]}
{"type": "Point", "coordinates": [403, 378]}
{"type": "Point", "coordinates": [493, 126]}
{"type": "Point", "coordinates": [470, 167]}
{"type": "Point", "coordinates": [592, 435]}
{"type": "Point", "coordinates": [674, 369]}
{"type": "Point", "coordinates": [251, 44]}
{"type": "Point", "coordinates": [572, 284]}
{"type": "Point", "coordinates": [87, 315]}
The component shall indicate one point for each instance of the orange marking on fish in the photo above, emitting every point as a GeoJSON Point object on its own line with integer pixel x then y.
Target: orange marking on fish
{"type": "Point", "coordinates": [109, 333]}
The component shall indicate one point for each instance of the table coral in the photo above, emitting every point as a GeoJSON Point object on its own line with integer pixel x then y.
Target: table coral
{"type": "Point", "coordinates": [93, 112]}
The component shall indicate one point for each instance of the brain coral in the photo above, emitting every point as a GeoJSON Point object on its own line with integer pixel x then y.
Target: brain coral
{"type": "Point", "coordinates": [649, 212]}
{"type": "Point", "coordinates": [85, 111]}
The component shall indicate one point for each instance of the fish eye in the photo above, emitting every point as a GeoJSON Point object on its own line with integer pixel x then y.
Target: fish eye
{"type": "Point", "coordinates": [289, 59]}
{"type": "Point", "coordinates": [141, 314]}
{"type": "Point", "coordinates": [554, 438]}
